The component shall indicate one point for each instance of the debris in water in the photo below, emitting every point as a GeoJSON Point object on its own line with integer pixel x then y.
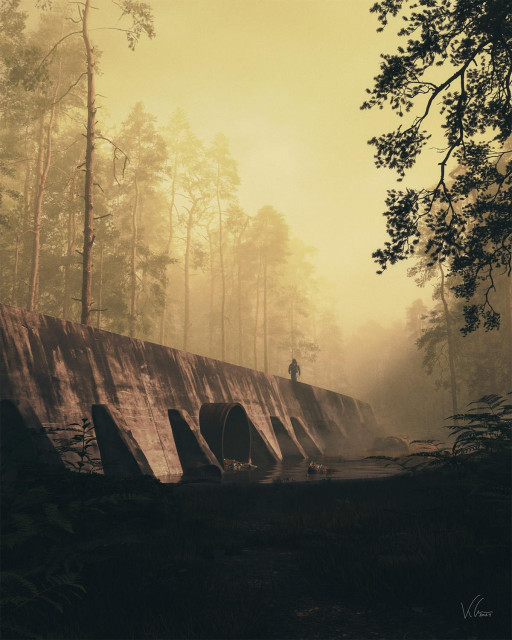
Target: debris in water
{"type": "Point", "coordinates": [315, 467]}
{"type": "Point", "coordinates": [235, 465]}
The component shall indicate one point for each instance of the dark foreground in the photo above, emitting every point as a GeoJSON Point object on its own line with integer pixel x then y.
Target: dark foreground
{"type": "Point", "coordinates": [84, 556]}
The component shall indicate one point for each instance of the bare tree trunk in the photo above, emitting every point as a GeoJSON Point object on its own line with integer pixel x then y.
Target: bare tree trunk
{"type": "Point", "coordinates": [38, 206]}
{"type": "Point", "coordinates": [25, 233]}
{"type": "Point", "coordinates": [170, 238]}
{"type": "Point", "coordinates": [240, 326]}
{"type": "Point", "coordinates": [186, 318]}
{"type": "Point", "coordinates": [222, 275]}
{"type": "Point", "coordinates": [451, 346]}
{"type": "Point", "coordinates": [89, 171]}
{"type": "Point", "coordinates": [265, 318]}
{"type": "Point", "coordinates": [212, 294]}
{"type": "Point", "coordinates": [133, 266]}
{"type": "Point", "coordinates": [239, 291]}
{"type": "Point", "coordinates": [15, 270]}
{"type": "Point", "coordinates": [163, 321]}
{"type": "Point", "coordinates": [256, 314]}
{"type": "Point", "coordinates": [100, 288]}
{"type": "Point", "coordinates": [34, 228]}
{"type": "Point", "coordinates": [71, 246]}
{"type": "Point", "coordinates": [26, 186]}
{"type": "Point", "coordinates": [292, 326]}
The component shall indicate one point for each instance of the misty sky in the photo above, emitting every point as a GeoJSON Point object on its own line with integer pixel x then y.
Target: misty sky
{"type": "Point", "coordinates": [283, 79]}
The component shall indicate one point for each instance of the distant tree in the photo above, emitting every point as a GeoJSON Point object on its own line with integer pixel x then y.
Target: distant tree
{"type": "Point", "coordinates": [329, 369]}
{"type": "Point", "coordinates": [197, 185]}
{"type": "Point", "coordinates": [416, 315]}
{"type": "Point", "coordinates": [270, 233]}
{"type": "Point", "coordinates": [142, 22]}
{"type": "Point", "coordinates": [225, 182]}
{"type": "Point", "coordinates": [237, 222]}
{"type": "Point", "coordinates": [19, 102]}
{"type": "Point", "coordinates": [458, 54]}
{"type": "Point", "coordinates": [180, 145]}
{"type": "Point", "coordinates": [297, 302]}
{"type": "Point", "coordinates": [467, 366]}
{"type": "Point", "coordinates": [145, 149]}
{"type": "Point", "coordinates": [38, 95]}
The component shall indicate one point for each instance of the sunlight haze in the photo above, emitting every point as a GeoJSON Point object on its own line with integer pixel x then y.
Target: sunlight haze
{"type": "Point", "coordinates": [283, 80]}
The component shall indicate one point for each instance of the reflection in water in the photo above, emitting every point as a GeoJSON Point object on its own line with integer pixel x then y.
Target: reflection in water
{"type": "Point", "coordinates": [298, 472]}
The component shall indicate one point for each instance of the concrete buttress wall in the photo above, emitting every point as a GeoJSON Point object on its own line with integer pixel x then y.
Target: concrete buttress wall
{"type": "Point", "coordinates": [61, 369]}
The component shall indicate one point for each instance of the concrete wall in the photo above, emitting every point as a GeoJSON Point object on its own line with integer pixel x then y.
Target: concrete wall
{"type": "Point", "coordinates": [62, 369]}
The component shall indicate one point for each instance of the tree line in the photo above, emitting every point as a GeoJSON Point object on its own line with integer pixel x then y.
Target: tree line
{"type": "Point", "coordinates": [149, 208]}
{"type": "Point", "coordinates": [138, 229]}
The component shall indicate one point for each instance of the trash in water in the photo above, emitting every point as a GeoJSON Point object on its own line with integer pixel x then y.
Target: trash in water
{"type": "Point", "coordinates": [235, 465]}
{"type": "Point", "coordinates": [315, 467]}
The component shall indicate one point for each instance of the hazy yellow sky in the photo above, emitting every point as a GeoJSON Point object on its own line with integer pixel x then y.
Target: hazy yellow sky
{"type": "Point", "coordinates": [283, 79]}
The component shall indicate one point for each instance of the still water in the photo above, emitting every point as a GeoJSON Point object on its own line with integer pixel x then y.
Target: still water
{"type": "Point", "coordinates": [298, 472]}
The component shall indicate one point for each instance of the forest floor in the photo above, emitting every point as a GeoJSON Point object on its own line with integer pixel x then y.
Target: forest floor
{"type": "Point", "coordinates": [84, 556]}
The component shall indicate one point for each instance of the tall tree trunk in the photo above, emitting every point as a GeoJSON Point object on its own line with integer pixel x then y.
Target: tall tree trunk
{"type": "Point", "coordinates": [26, 185]}
{"type": "Point", "coordinates": [163, 321]}
{"type": "Point", "coordinates": [256, 318]}
{"type": "Point", "coordinates": [239, 296]}
{"type": "Point", "coordinates": [170, 237]}
{"type": "Point", "coordinates": [100, 288]}
{"type": "Point", "coordinates": [186, 316]}
{"type": "Point", "coordinates": [292, 326]}
{"type": "Point", "coordinates": [133, 265]}
{"type": "Point", "coordinates": [34, 225]}
{"type": "Point", "coordinates": [265, 317]}
{"type": "Point", "coordinates": [451, 345]}
{"type": "Point", "coordinates": [25, 232]}
{"type": "Point", "coordinates": [212, 294]}
{"type": "Point", "coordinates": [38, 205]}
{"type": "Point", "coordinates": [15, 270]}
{"type": "Point", "coordinates": [222, 274]}
{"type": "Point", "coordinates": [89, 171]}
{"type": "Point", "coordinates": [71, 246]}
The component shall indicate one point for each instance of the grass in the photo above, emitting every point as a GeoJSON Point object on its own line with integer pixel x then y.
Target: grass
{"type": "Point", "coordinates": [390, 558]}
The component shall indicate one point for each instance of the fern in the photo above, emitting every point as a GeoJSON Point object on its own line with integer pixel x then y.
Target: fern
{"type": "Point", "coordinates": [482, 443]}
{"type": "Point", "coordinates": [81, 445]}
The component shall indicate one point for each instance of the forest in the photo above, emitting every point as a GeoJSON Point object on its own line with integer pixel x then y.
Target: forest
{"type": "Point", "coordinates": [141, 225]}
{"type": "Point", "coordinates": [165, 252]}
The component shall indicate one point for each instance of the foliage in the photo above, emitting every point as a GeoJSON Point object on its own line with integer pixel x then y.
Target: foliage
{"type": "Point", "coordinates": [482, 445]}
{"type": "Point", "coordinates": [458, 54]}
{"type": "Point", "coordinates": [166, 215]}
{"type": "Point", "coordinates": [142, 20]}
{"type": "Point", "coordinates": [485, 431]}
{"type": "Point", "coordinates": [81, 445]}
{"type": "Point", "coordinates": [32, 592]}
{"type": "Point", "coordinates": [234, 561]}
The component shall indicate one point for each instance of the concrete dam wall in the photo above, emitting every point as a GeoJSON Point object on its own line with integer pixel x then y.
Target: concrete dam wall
{"type": "Point", "coordinates": [162, 411]}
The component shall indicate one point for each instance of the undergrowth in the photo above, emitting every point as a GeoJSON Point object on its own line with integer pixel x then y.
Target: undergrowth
{"type": "Point", "coordinates": [88, 556]}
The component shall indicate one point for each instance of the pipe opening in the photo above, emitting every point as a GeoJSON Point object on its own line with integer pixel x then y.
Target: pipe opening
{"type": "Point", "coordinates": [225, 427]}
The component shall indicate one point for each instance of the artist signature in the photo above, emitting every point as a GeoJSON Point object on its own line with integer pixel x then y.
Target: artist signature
{"type": "Point", "coordinates": [473, 611]}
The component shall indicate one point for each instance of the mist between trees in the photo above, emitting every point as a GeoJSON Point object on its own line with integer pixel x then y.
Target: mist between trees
{"type": "Point", "coordinates": [176, 260]}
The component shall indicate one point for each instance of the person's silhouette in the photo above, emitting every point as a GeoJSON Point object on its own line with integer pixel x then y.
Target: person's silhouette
{"type": "Point", "coordinates": [294, 369]}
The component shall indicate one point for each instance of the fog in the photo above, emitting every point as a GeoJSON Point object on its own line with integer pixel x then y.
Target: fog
{"type": "Point", "coordinates": [289, 271]}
